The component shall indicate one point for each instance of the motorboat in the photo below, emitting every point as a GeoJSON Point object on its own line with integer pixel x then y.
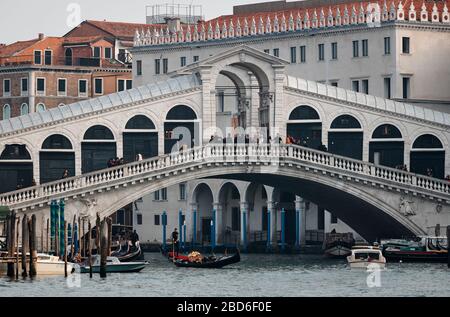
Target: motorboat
{"type": "Point", "coordinates": [45, 265]}
{"type": "Point", "coordinates": [113, 265]}
{"type": "Point", "coordinates": [338, 245]}
{"type": "Point", "coordinates": [366, 257]}
{"type": "Point", "coordinates": [421, 249]}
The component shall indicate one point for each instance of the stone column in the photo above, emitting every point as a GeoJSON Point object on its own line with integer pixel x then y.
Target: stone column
{"type": "Point", "coordinates": [193, 228]}
{"type": "Point", "coordinates": [253, 116]}
{"type": "Point", "coordinates": [301, 221]}
{"type": "Point", "coordinates": [219, 222]}
{"type": "Point", "coordinates": [244, 225]}
{"type": "Point", "coordinates": [274, 225]}
{"type": "Point", "coordinates": [208, 103]}
{"type": "Point", "coordinates": [277, 106]}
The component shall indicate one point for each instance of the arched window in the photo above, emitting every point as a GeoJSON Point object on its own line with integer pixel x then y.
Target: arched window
{"type": "Point", "coordinates": [6, 112]}
{"type": "Point", "coordinates": [181, 113]}
{"type": "Point", "coordinates": [61, 105]}
{"type": "Point", "coordinates": [140, 122]}
{"type": "Point", "coordinates": [387, 131]}
{"type": "Point", "coordinates": [98, 132]}
{"type": "Point", "coordinates": [304, 113]}
{"type": "Point", "coordinates": [427, 141]}
{"type": "Point", "coordinates": [40, 107]}
{"type": "Point", "coordinates": [68, 55]}
{"type": "Point", "coordinates": [345, 122]}
{"type": "Point", "coordinates": [15, 152]}
{"type": "Point", "coordinates": [16, 168]}
{"type": "Point", "coordinates": [24, 109]}
{"type": "Point", "coordinates": [57, 142]}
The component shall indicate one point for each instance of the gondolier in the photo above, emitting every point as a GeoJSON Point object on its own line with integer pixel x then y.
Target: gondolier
{"type": "Point", "coordinates": [175, 241]}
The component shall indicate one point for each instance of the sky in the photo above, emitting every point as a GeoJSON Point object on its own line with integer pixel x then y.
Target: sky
{"type": "Point", "coordinates": [24, 19]}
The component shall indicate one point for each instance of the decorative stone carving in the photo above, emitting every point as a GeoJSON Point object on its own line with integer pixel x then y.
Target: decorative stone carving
{"type": "Point", "coordinates": [423, 13]}
{"type": "Point", "coordinates": [412, 16]}
{"type": "Point", "coordinates": [445, 14]}
{"type": "Point", "coordinates": [400, 12]}
{"type": "Point", "coordinates": [384, 13]}
{"type": "Point", "coordinates": [392, 12]}
{"type": "Point", "coordinates": [406, 207]}
{"type": "Point", "coordinates": [298, 22]}
{"type": "Point", "coordinates": [435, 14]}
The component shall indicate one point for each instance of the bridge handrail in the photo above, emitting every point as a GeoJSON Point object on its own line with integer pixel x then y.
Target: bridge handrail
{"type": "Point", "coordinates": [265, 153]}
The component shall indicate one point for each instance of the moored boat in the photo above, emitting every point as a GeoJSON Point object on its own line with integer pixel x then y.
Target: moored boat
{"type": "Point", "coordinates": [366, 257]}
{"type": "Point", "coordinates": [45, 265]}
{"type": "Point", "coordinates": [113, 265]}
{"type": "Point", "coordinates": [421, 249]}
{"type": "Point", "coordinates": [129, 253]}
{"type": "Point", "coordinates": [338, 244]}
{"type": "Point", "coordinates": [209, 262]}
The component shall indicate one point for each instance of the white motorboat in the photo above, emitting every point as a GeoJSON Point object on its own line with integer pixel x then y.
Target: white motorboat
{"type": "Point", "coordinates": [366, 257]}
{"type": "Point", "coordinates": [45, 265]}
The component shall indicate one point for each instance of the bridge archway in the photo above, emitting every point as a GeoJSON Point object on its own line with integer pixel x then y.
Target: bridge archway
{"type": "Point", "coordinates": [97, 148]}
{"type": "Point", "coordinates": [230, 202]}
{"type": "Point", "coordinates": [256, 197]}
{"type": "Point", "coordinates": [57, 154]}
{"type": "Point", "coordinates": [428, 156]}
{"type": "Point", "coordinates": [181, 129]}
{"type": "Point", "coordinates": [305, 126]}
{"type": "Point", "coordinates": [140, 137]}
{"type": "Point", "coordinates": [286, 200]}
{"type": "Point", "coordinates": [16, 166]}
{"type": "Point", "coordinates": [203, 197]}
{"type": "Point", "coordinates": [387, 146]}
{"type": "Point", "coordinates": [346, 137]}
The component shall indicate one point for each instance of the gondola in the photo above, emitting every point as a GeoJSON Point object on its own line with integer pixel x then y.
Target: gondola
{"type": "Point", "coordinates": [211, 263]}
{"type": "Point", "coordinates": [132, 253]}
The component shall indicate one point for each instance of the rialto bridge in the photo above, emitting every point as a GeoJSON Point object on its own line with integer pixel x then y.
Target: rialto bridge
{"type": "Point", "coordinates": [350, 146]}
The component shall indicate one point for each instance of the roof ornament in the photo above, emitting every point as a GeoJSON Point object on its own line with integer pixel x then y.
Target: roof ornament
{"type": "Point", "coordinates": [181, 37]}
{"type": "Point", "coordinates": [412, 16]}
{"type": "Point", "coordinates": [253, 27]}
{"type": "Point", "coordinates": [298, 21]}
{"type": "Point", "coordinates": [268, 25]}
{"type": "Point", "coordinates": [261, 25]}
{"type": "Point", "coordinates": [307, 23]}
{"type": "Point", "coordinates": [224, 30]}
{"type": "Point", "coordinates": [203, 32]}
{"type": "Point", "coordinates": [400, 12]}
{"type": "Point", "coordinates": [167, 35]}
{"type": "Point", "coordinates": [148, 37]}
{"type": "Point", "coordinates": [217, 31]}
{"type": "Point", "coordinates": [137, 38]}
{"type": "Point", "coordinates": [188, 34]}
{"type": "Point", "coordinates": [384, 14]}
{"type": "Point", "coordinates": [392, 12]}
{"type": "Point", "coordinates": [210, 32]}
{"type": "Point", "coordinates": [322, 18]}
{"type": "Point", "coordinates": [338, 20]}
{"type": "Point", "coordinates": [314, 20]}
{"type": "Point", "coordinates": [330, 19]}
{"type": "Point", "coordinates": [246, 27]}
{"type": "Point", "coordinates": [354, 19]}
{"type": "Point", "coordinates": [362, 14]}
{"type": "Point", "coordinates": [283, 23]}
{"type": "Point", "coordinates": [346, 16]}
{"type": "Point", "coordinates": [195, 36]}
{"type": "Point", "coordinates": [435, 14]}
{"type": "Point", "coordinates": [238, 28]}
{"type": "Point", "coordinates": [276, 24]}
{"type": "Point", "coordinates": [445, 14]}
{"type": "Point", "coordinates": [231, 29]}
{"type": "Point", "coordinates": [291, 22]}
{"type": "Point", "coordinates": [424, 13]}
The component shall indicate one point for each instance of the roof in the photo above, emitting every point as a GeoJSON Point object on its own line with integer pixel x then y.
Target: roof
{"type": "Point", "coordinates": [16, 47]}
{"type": "Point", "coordinates": [378, 103]}
{"type": "Point", "coordinates": [91, 106]}
{"type": "Point", "coordinates": [118, 29]}
{"type": "Point", "coordinates": [82, 40]}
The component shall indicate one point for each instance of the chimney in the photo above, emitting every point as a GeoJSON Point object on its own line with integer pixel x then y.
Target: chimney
{"type": "Point", "coordinates": [41, 36]}
{"type": "Point", "coordinates": [174, 24]}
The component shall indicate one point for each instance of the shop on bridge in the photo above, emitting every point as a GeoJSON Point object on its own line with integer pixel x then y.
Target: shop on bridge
{"type": "Point", "coordinates": [305, 127]}
{"type": "Point", "coordinates": [97, 148]}
{"type": "Point", "coordinates": [56, 156]}
{"type": "Point", "coordinates": [181, 129]}
{"type": "Point", "coordinates": [428, 156]}
{"type": "Point", "coordinates": [345, 137]}
{"type": "Point", "coordinates": [140, 137]}
{"type": "Point", "coordinates": [16, 168]}
{"type": "Point", "coordinates": [387, 146]}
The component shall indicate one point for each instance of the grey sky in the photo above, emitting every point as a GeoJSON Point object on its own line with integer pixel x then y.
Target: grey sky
{"type": "Point", "coordinates": [24, 19]}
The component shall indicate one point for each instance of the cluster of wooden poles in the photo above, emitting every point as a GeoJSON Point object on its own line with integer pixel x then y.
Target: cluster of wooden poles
{"type": "Point", "coordinates": [27, 226]}
{"type": "Point", "coordinates": [29, 245]}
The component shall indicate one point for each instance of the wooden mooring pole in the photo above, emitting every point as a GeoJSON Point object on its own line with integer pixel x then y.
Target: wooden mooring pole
{"type": "Point", "coordinates": [48, 236]}
{"type": "Point", "coordinates": [90, 248]}
{"type": "Point", "coordinates": [109, 222]}
{"type": "Point", "coordinates": [97, 234]}
{"type": "Point", "coordinates": [65, 249]}
{"type": "Point", "coordinates": [448, 247]}
{"type": "Point", "coordinates": [72, 240]}
{"type": "Point", "coordinates": [33, 246]}
{"type": "Point", "coordinates": [17, 248]}
{"type": "Point", "coordinates": [11, 242]}
{"type": "Point", "coordinates": [103, 248]}
{"type": "Point", "coordinates": [25, 245]}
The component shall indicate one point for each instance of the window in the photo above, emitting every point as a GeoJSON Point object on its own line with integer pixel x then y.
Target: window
{"type": "Point", "coordinates": [334, 219]}
{"type": "Point", "coordinates": [129, 84]}
{"type": "Point", "coordinates": [182, 191]}
{"type": "Point", "coordinates": [365, 86]}
{"type": "Point", "coordinates": [165, 66]}
{"type": "Point", "coordinates": [387, 45]}
{"type": "Point", "coordinates": [40, 86]}
{"type": "Point", "coordinates": [321, 52]}
{"type": "Point", "coordinates": [157, 220]}
{"type": "Point", "coordinates": [196, 58]}
{"type": "Point", "coordinates": [98, 86]}
{"type": "Point", "coordinates": [365, 47]}
{"type": "Point", "coordinates": [124, 84]}
{"type": "Point", "coordinates": [293, 55]}
{"type": "Point", "coordinates": [38, 57]}
{"type": "Point", "coordinates": [62, 87]}
{"type": "Point", "coordinates": [267, 51]}
{"type": "Point", "coordinates": [24, 109]}
{"type": "Point", "coordinates": [406, 87]}
{"type": "Point", "coordinates": [387, 87]}
{"type": "Point", "coordinates": [164, 194]}
{"type": "Point", "coordinates": [302, 54]}
{"type": "Point", "coordinates": [6, 112]}
{"type": "Point", "coordinates": [276, 52]}
{"type": "Point", "coordinates": [108, 52]}
{"type": "Point", "coordinates": [355, 85]}
{"type": "Point", "coordinates": [96, 52]}
{"type": "Point", "coordinates": [235, 219]}
{"type": "Point", "coordinates": [265, 215]}
{"type": "Point", "coordinates": [321, 219]}
{"type": "Point", "coordinates": [334, 83]}
{"type": "Point", "coordinates": [157, 66]}
{"type": "Point", "coordinates": [156, 196]}
{"type": "Point", "coordinates": [139, 68]}
{"type": "Point", "coordinates": [139, 219]}
{"type": "Point", "coordinates": [221, 101]}
{"type": "Point", "coordinates": [405, 45]}
{"type": "Point", "coordinates": [6, 87]}
{"type": "Point", "coordinates": [41, 107]}
{"type": "Point", "coordinates": [183, 61]}
{"type": "Point", "coordinates": [48, 57]}
{"type": "Point", "coordinates": [334, 51]}
{"type": "Point", "coordinates": [82, 88]}
{"type": "Point", "coordinates": [355, 49]}
{"type": "Point", "coordinates": [24, 86]}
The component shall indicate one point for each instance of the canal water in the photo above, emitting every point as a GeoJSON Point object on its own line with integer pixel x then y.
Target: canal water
{"type": "Point", "coordinates": [255, 276]}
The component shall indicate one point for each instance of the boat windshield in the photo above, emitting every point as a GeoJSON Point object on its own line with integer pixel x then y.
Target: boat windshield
{"type": "Point", "coordinates": [367, 256]}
